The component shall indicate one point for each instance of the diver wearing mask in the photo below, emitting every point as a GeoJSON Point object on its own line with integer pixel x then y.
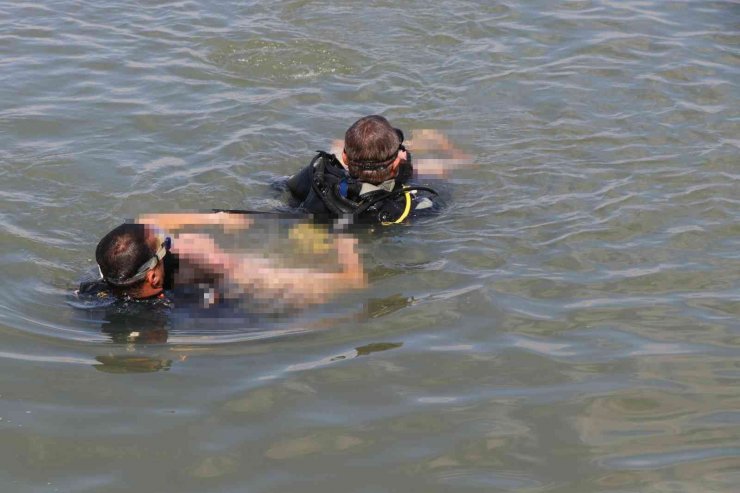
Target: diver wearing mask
{"type": "Point", "coordinates": [369, 184]}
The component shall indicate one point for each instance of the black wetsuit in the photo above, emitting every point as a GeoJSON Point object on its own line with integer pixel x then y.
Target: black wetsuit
{"type": "Point", "coordinates": [325, 189]}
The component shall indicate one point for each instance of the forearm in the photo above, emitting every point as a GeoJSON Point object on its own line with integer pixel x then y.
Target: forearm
{"type": "Point", "coordinates": [176, 221]}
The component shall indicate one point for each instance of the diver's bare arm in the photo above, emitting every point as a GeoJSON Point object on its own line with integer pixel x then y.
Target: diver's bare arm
{"type": "Point", "coordinates": [175, 221]}
{"type": "Point", "coordinates": [263, 279]}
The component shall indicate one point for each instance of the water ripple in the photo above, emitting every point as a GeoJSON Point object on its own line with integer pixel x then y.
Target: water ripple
{"type": "Point", "coordinates": [568, 322]}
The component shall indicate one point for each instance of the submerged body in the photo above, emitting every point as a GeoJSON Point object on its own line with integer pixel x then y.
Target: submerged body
{"type": "Point", "coordinates": [137, 261]}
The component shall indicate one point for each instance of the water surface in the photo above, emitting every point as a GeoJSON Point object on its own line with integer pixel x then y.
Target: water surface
{"type": "Point", "coordinates": [569, 323]}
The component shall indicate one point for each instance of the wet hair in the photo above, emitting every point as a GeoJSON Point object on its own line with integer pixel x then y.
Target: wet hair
{"type": "Point", "coordinates": [122, 252]}
{"type": "Point", "coordinates": [371, 144]}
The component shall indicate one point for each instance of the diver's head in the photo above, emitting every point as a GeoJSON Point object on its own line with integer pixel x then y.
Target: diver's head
{"type": "Point", "coordinates": [130, 260]}
{"type": "Point", "coordinates": [373, 150]}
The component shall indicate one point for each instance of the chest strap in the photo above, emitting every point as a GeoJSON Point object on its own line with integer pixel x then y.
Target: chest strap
{"type": "Point", "coordinates": [406, 210]}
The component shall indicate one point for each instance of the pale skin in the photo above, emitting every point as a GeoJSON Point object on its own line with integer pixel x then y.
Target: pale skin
{"type": "Point", "coordinates": [423, 140]}
{"type": "Point", "coordinates": [175, 221]}
{"type": "Point", "coordinates": [261, 277]}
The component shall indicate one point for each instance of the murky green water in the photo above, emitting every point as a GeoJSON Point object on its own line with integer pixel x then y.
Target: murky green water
{"type": "Point", "coordinates": [568, 324]}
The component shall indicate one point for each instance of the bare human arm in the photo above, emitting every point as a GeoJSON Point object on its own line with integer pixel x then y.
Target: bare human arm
{"type": "Point", "coordinates": [176, 221]}
{"type": "Point", "coordinates": [265, 279]}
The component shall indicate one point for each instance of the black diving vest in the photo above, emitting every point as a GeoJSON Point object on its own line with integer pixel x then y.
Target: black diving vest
{"type": "Point", "coordinates": [324, 188]}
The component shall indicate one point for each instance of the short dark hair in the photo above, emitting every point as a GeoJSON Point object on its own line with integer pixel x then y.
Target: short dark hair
{"type": "Point", "coordinates": [122, 252]}
{"type": "Point", "coordinates": [371, 140]}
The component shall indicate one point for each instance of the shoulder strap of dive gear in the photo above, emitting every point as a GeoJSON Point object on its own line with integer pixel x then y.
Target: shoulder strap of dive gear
{"type": "Point", "coordinates": [329, 190]}
{"type": "Point", "coordinates": [405, 213]}
{"type": "Point", "coordinates": [382, 196]}
{"type": "Point", "coordinates": [375, 197]}
{"type": "Point", "coordinates": [325, 189]}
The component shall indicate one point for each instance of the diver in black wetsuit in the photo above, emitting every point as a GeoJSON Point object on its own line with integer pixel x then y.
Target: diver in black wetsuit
{"type": "Point", "coordinates": [369, 183]}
